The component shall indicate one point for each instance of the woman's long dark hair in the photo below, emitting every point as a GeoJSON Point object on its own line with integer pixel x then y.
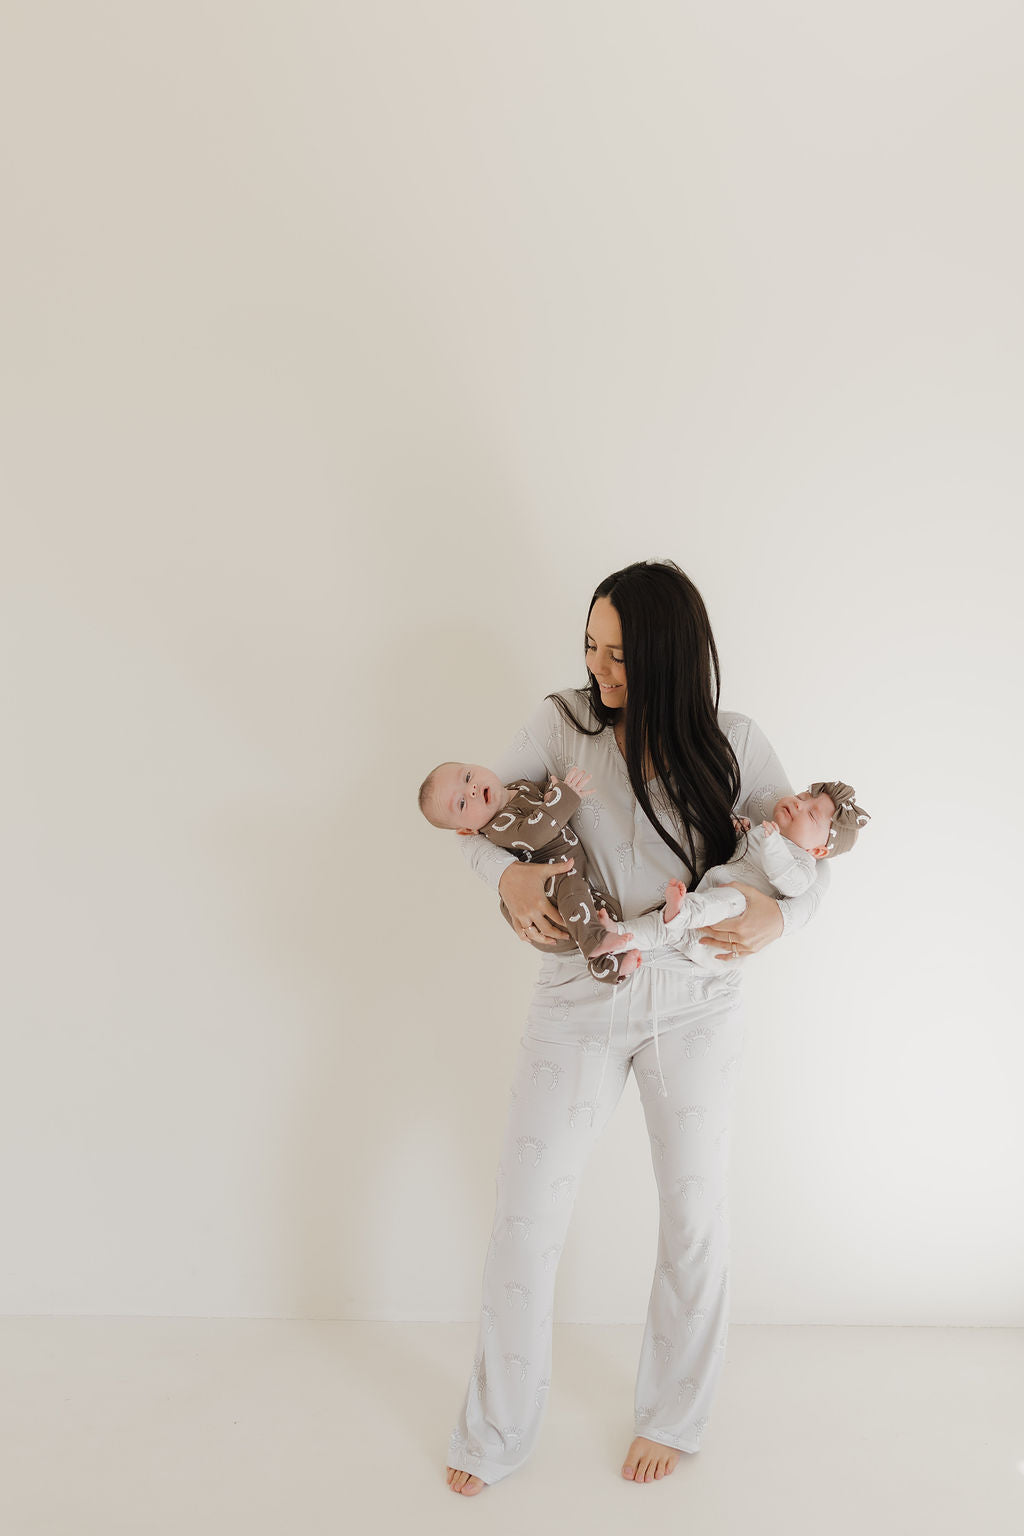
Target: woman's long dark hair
{"type": "Point", "coordinates": [672, 692]}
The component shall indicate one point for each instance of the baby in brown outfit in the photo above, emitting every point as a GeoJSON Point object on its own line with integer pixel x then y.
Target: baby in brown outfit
{"type": "Point", "coordinates": [532, 821]}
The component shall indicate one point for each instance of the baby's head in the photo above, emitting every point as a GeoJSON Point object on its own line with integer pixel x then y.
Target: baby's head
{"type": "Point", "coordinates": [461, 797]}
{"type": "Point", "coordinates": [823, 819]}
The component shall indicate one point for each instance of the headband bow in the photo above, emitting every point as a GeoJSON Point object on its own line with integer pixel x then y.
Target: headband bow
{"type": "Point", "coordinates": [848, 818]}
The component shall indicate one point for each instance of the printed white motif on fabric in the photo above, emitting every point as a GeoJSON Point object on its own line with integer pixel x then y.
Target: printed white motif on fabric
{"type": "Point", "coordinates": [545, 1074]}
{"type": "Point", "coordinates": [698, 1040]}
{"type": "Point", "coordinates": [531, 1149]}
{"type": "Point", "coordinates": [593, 807]}
{"type": "Point", "coordinates": [691, 1117]}
{"type": "Point", "coordinates": [578, 1111]}
{"type": "Point", "coordinates": [517, 1295]}
{"type": "Point", "coordinates": [514, 1362]}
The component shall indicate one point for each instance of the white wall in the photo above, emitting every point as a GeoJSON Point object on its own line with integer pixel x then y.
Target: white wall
{"type": "Point", "coordinates": [345, 349]}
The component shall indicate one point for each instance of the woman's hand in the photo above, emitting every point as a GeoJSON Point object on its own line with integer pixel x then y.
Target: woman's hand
{"type": "Point", "coordinates": [758, 926]}
{"type": "Point", "coordinates": [533, 916]}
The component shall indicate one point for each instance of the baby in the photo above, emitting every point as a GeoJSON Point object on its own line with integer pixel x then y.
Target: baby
{"type": "Point", "coordinates": [779, 859]}
{"type": "Point", "coordinates": [532, 821]}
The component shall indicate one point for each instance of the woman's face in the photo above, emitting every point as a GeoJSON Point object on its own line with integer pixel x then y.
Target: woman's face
{"type": "Point", "coordinates": [604, 653]}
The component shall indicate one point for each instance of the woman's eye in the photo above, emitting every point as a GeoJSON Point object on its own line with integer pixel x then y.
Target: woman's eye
{"type": "Point", "coordinates": [589, 647]}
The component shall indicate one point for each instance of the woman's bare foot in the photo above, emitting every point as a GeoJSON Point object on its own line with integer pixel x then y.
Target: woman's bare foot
{"type": "Point", "coordinates": [465, 1482]}
{"type": "Point", "coordinates": [646, 1461]}
{"type": "Point", "coordinates": [674, 897]}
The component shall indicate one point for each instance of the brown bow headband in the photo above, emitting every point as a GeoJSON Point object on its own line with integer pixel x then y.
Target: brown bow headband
{"type": "Point", "coordinates": [848, 818]}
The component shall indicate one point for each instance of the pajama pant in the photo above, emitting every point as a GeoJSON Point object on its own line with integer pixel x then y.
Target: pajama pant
{"type": "Point", "coordinates": [555, 1119]}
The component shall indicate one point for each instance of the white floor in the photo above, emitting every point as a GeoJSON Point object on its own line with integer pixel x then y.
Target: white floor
{"type": "Point", "coordinates": [152, 1426]}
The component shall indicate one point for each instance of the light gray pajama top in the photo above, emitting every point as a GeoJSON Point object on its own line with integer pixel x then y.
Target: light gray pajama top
{"type": "Point", "coordinates": [630, 861]}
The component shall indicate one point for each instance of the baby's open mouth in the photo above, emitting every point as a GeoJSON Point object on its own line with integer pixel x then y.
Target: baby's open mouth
{"type": "Point", "coordinates": [487, 795]}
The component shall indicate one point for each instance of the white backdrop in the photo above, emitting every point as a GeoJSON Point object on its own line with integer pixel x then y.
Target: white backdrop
{"type": "Point", "coordinates": [346, 348]}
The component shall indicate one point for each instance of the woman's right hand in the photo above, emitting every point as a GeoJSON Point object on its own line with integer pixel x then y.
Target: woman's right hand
{"type": "Point", "coordinates": [533, 916]}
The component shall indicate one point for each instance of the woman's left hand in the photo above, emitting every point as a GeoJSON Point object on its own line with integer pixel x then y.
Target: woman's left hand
{"type": "Point", "coordinates": [759, 925]}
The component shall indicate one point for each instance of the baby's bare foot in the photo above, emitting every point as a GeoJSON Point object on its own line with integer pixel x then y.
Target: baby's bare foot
{"type": "Point", "coordinates": [613, 943]}
{"type": "Point", "coordinates": [629, 963]}
{"type": "Point", "coordinates": [464, 1482]}
{"type": "Point", "coordinates": [674, 897]}
{"type": "Point", "coordinates": [647, 1460]}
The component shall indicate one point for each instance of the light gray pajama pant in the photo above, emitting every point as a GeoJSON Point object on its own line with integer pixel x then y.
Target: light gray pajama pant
{"type": "Point", "coordinates": [552, 1127]}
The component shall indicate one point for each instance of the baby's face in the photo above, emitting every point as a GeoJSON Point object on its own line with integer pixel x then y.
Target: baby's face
{"type": "Point", "coordinates": [466, 796]}
{"type": "Point", "coordinates": [805, 820]}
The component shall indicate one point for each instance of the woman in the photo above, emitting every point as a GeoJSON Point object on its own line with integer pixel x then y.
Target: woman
{"type": "Point", "coordinates": [668, 773]}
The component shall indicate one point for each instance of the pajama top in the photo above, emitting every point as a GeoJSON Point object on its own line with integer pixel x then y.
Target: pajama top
{"type": "Point", "coordinates": [629, 861]}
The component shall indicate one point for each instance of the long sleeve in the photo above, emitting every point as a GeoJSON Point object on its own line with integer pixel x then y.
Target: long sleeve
{"type": "Point", "coordinates": [763, 783]}
{"type": "Point", "coordinates": [535, 752]}
{"type": "Point", "coordinates": [789, 868]}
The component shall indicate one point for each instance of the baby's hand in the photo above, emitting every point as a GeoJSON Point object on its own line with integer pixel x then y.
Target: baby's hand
{"type": "Point", "coordinates": [770, 827]}
{"type": "Point", "coordinates": [576, 779]}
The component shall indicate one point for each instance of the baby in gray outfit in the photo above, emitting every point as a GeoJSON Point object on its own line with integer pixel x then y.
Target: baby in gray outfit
{"type": "Point", "coordinates": [779, 858]}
